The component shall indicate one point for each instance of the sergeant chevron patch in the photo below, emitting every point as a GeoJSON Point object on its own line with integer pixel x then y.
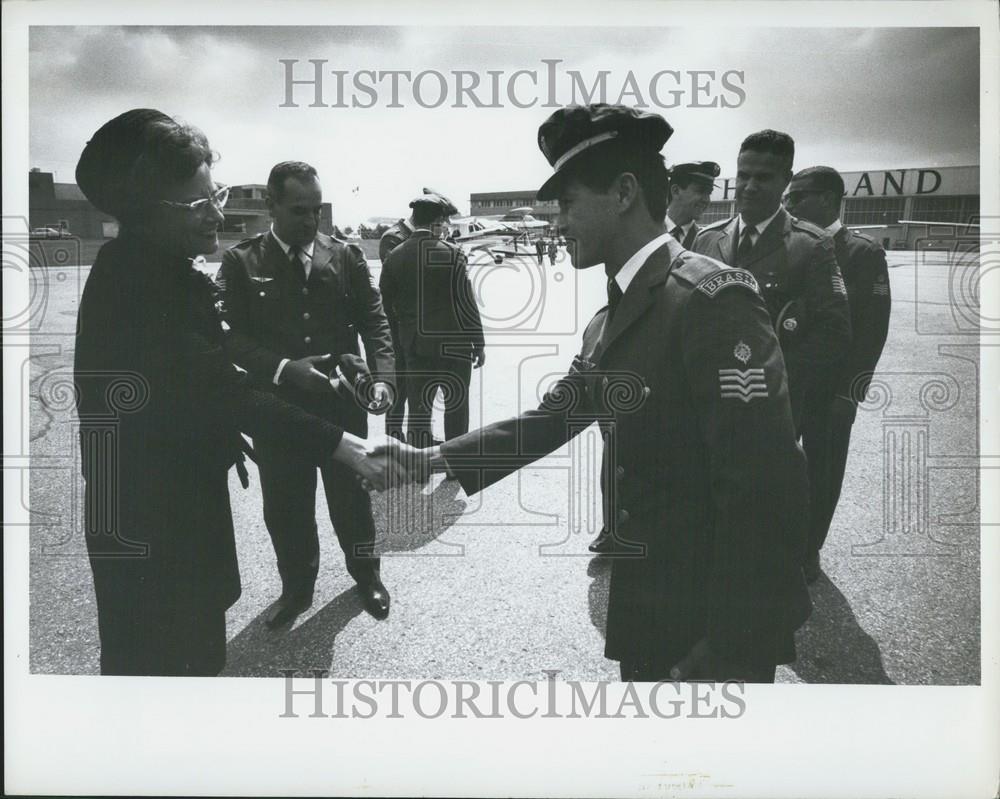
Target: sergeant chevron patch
{"type": "Point", "coordinates": [838, 285]}
{"type": "Point", "coordinates": [731, 277]}
{"type": "Point", "coordinates": [742, 384]}
{"type": "Point", "coordinates": [881, 289]}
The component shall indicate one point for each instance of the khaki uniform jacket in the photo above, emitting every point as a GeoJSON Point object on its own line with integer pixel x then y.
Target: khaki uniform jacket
{"type": "Point", "coordinates": [796, 268]}
{"type": "Point", "coordinates": [273, 316]}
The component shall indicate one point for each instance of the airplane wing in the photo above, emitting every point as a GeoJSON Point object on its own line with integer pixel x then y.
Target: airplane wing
{"type": "Point", "coordinates": [934, 222]}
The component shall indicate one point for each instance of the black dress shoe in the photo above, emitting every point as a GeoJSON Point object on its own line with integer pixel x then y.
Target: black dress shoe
{"type": "Point", "coordinates": [375, 597]}
{"type": "Point", "coordinates": [286, 609]}
{"type": "Point", "coordinates": [811, 569]}
{"type": "Point", "coordinates": [604, 544]}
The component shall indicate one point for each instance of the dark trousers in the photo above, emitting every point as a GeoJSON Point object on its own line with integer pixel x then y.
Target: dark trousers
{"type": "Point", "coordinates": [826, 439]}
{"type": "Point", "coordinates": [189, 641]}
{"type": "Point", "coordinates": [425, 376]}
{"type": "Point", "coordinates": [397, 412]}
{"type": "Point", "coordinates": [657, 670]}
{"type": "Point", "coordinates": [288, 485]}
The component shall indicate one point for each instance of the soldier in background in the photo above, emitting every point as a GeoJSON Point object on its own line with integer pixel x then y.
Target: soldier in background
{"type": "Point", "coordinates": [815, 195]}
{"type": "Point", "coordinates": [793, 262]}
{"type": "Point", "coordinates": [390, 240]}
{"type": "Point", "coordinates": [691, 187]}
{"type": "Point", "coordinates": [428, 296]}
{"type": "Point", "coordinates": [553, 251]}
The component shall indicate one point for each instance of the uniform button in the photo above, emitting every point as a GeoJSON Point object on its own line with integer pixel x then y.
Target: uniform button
{"type": "Point", "coordinates": [623, 517]}
{"type": "Point", "coordinates": [263, 294]}
{"type": "Point", "coordinates": [305, 315]}
{"type": "Point", "coordinates": [647, 391]}
{"type": "Point", "coordinates": [308, 339]}
{"type": "Point", "coordinates": [305, 290]}
{"type": "Point", "coordinates": [604, 382]}
{"type": "Point", "coordinates": [620, 472]}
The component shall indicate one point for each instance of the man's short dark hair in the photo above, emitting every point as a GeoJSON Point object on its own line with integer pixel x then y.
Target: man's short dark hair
{"type": "Point", "coordinates": [771, 141]}
{"type": "Point", "coordinates": [598, 167]}
{"type": "Point", "coordinates": [425, 214]}
{"type": "Point", "coordinates": [287, 169]}
{"type": "Point", "coordinates": [683, 180]}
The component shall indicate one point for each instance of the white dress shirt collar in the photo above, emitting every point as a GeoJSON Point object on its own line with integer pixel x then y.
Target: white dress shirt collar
{"type": "Point", "coordinates": [635, 263]}
{"type": "Point", "coordinates": [671, 224]}
{"type": "Point", "coordinates": [834, 226]}
{"type": "Point", "coordinates": [286, 247]}
{"type": "Point", "coordinates": [760, 227]}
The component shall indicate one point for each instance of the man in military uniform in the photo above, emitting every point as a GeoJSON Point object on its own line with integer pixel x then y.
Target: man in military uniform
{"type": "Point", "coordinates": [815, 195]}
{"type": "Point", "coordinates": [684, 374]}
{"type": "Point", "coordinates": [427, 292]}
{"type": "Point", "coordinates": [296, 300]}
{"type": "Point", "coordinates": [793, 262]}
{"type": "Point", "coordinates": [691, 187]}
{"type": "Point", "coordinates": [390, 240]}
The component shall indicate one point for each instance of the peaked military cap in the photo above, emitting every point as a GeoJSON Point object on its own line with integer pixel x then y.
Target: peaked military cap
{"type": "Point", "coordinates": [817, 178]}
{"type": "Point", "coordinates": [700, 171]}
{"type": "Point", "coordinates": [431, 197]}
{"type": "Point", "coordinates": [574, 129]}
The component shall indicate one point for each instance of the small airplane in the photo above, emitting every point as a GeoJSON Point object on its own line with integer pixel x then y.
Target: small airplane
{"type": "Point", "coordinates": [497, 235]}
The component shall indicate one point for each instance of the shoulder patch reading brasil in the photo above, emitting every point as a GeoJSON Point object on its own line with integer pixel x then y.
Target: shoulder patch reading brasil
{"type": "Point", "coordinates": [730, 277]}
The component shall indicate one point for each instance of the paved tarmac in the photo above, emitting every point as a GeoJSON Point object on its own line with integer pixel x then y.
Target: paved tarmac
{"type": "Point", "coordinates": [501, 586]}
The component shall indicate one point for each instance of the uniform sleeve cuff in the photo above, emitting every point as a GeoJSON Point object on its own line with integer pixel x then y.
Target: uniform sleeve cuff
{"type": "Point", "coordinates": [279, 370]}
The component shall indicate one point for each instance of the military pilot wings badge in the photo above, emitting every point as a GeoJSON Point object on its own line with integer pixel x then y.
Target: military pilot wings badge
{"type": "Point", "coordinates": [742, 384]}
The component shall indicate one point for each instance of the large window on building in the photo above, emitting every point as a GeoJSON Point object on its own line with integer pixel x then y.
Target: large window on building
{"type": "Point", "coordinates": [961, 208]}
{"type": "Point", "coordinates": [720, 209]}
{"type": "Point", "coordinates": [873, 210]}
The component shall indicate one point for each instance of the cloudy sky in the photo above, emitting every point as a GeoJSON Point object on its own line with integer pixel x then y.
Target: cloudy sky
{"type": "Point", "coordinates": [852, 98]}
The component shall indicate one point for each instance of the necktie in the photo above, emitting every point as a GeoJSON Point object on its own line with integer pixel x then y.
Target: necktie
{"type": "Point", "coordinates": [614, 297]}
{"type": "Point", "coordinates": [298, 269]}
{"type": "Point", "coordinates": [746, 246]}
{"type": "Point", "coordinates": [678, 233]}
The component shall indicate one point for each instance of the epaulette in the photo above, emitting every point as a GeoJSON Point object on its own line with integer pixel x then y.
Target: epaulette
{"type": "Point", "coordinates": [354, 249]}
{"type": "Point", "coordinates": [245, 243]}
{"type": "Point", "coordinates": [864, 237]}
{"type": "Point", "coordinates": [717, 225]}
{"type": "Point", "coordinates": [809, 227]}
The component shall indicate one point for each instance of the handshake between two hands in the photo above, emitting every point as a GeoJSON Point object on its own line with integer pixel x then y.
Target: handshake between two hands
{"type": "Point", "coordinates": [384, 462]}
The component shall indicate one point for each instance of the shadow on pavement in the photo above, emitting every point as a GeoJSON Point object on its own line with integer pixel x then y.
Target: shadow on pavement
{"type": "Point", "coordinates": [259, 652]}
{"type": "Point", "coordinates": [599, 570]}
{"type": "Point", "coordinates": [832, 647]}
{"type": "Point", "coordinates": [410, 519]}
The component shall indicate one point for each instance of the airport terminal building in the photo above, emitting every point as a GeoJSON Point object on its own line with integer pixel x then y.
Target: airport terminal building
{"type": "Point", "coordinates": [493, 203]}
{"type": "Point", "coordinates": [875, 197]}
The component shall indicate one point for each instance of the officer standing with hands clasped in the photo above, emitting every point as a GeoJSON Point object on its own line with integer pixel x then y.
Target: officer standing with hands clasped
{"type": "Point", "coordinates": [684, 374]}
{"type": "Point", "coordinates": [793, 262]}
{"type": "Point", "coordinates": [391, 239]}
{"type": "Point", "coordinates": [815, 195]}
{"type": "Point", "coordinates": [691, 186]}
{"type": "Point", "coordinates": [296, 300]}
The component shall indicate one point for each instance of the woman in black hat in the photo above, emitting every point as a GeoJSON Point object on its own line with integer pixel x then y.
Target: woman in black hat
{"type": "Point", "coordinates": [161, 407]}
